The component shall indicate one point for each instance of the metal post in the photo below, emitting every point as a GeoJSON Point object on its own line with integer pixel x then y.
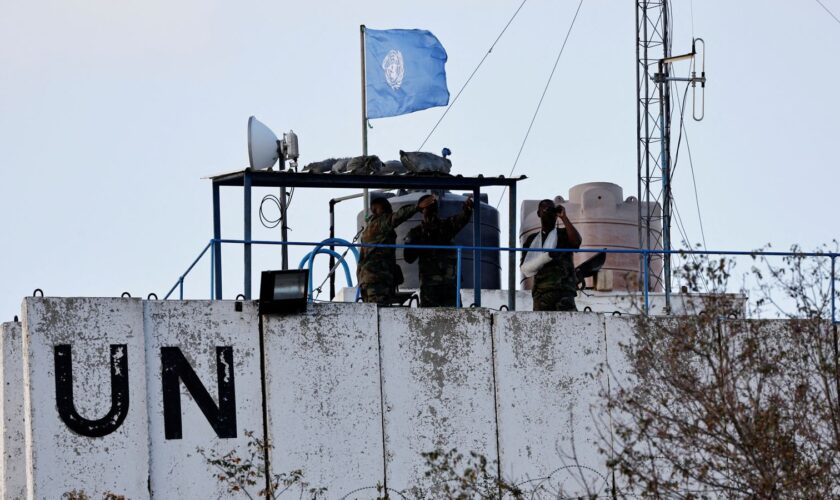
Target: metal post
{"type": "Point", "coordinates": [212, 273]}
{"type": "Point", "coordinates": [246, 184]}
{"type": "Point", "coordinates": [512, 243]}
{"type": "Point", "coordinates": [833, 293]}
{"type": "Point", "coordinates": [477, 243]}
{"type": "Point", "coordinates": [216, 266]}
{"type": "Point", "coordinates": [639, 121]}
{"type": "Point", "coordinates": [652, 26]}
{"type": "Point", "coordinates": [332, 248]}
{"type": "Point", "coordinates": [364, 113]}
{"type": "Point", "coordinates": [284, 228]}
{"type": "Point", "coordinates": [181, 284]}
{"type": "Point", "coordinates": [458, 280]}
{"type": "Point", "coordinates": [646, 283]}
{"type": "Point", "coordinates": [665, 161]}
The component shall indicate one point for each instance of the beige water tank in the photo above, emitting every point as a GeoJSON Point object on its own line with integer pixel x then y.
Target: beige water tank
{"type": "Point", "coordinates": [605, 220]}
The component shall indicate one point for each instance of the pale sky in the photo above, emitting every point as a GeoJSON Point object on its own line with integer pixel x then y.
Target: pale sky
{"type": "Point", "coordinates": [111, 112]}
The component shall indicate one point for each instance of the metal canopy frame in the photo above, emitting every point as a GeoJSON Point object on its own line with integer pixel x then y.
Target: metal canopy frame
{"type": "Point", "coordinates": [248, 179]}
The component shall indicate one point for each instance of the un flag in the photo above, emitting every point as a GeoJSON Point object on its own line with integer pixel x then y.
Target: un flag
{"type": "Point", "coordinates": [404, 72]}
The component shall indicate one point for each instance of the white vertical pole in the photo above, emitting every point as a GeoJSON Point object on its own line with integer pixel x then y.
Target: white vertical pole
{"type": "Point", "coordinates": [364, 111]}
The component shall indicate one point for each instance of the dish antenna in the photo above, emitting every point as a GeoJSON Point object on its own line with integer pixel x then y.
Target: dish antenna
{"type": "Point", "coordinates": [264, 148]}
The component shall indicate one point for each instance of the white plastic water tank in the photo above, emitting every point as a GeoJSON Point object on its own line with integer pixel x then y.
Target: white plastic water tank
{"type": "Point", "coordinates": [605, 220]}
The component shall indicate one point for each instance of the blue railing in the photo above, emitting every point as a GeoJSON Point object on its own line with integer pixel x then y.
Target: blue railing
{"type": "Point", "coordinates": [644, 254]}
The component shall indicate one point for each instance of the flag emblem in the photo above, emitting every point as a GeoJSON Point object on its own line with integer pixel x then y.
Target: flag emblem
{"type": "Point", "coordinates": [394, 69]}
{"type": "Point", "coordinates": [405, 72]}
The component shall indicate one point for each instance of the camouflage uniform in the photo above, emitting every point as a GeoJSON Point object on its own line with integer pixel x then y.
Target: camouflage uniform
{"type": "Point", "coordinates": [438, 268]}
{"type": "Point", "coordinates": [555, 285]}
{"type": "Point", "coordinates": [377, 271]}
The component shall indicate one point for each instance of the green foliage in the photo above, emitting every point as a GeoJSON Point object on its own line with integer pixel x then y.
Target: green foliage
{"type": "Point", "coordinates": [450, 475]}
{"type": "Point", "coordinates": [723, 407]}
{"type": "Point", "coordinates": [241, 475]}
{"type": "Point", "coordinates": [81, 495]}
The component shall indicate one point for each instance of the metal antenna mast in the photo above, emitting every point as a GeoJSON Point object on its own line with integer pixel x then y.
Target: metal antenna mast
{"type": "Point", "coordinates": [653, 127]}
{"type": "Point", "coordinates": [653, 133]}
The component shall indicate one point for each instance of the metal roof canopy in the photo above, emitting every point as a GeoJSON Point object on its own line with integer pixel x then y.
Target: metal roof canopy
{"type": "Point", "coordinates": [261, 178]}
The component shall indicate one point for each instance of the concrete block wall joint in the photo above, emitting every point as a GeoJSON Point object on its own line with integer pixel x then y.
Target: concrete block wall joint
{"type": "Point", "coordinates": [381, 402]}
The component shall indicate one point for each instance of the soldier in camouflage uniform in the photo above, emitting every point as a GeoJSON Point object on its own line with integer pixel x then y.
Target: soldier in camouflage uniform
{"type": "Point", "coordinates": [377, 272]}
{"type": "Point", "coordinates": [438, 268]}
{"type": "Point", "coordinates": [555, 285]}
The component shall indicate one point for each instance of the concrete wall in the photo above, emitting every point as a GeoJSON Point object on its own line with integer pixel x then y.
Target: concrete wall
{"type": "Point", "coordinates": [13, 484]}
{"type": "Point", "coordinates": [323, 389]}
{"type": "Point", "coordinates": [105, 337]}
{"type": "Point", "coordinates": [437, 374]}
{"type": "Point", "coordinates": [547, 399]}
{"type": "Point", "coordinates": [354, 394]}
{"type": "Point", "coordinates": [199, 329]}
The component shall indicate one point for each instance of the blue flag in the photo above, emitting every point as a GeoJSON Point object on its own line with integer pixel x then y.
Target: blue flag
{"type": "Point", "coordinates": [404, 72]}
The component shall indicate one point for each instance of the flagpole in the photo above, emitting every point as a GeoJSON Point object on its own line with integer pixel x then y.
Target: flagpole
{"type": "Point", "coordinates": [365, 195]}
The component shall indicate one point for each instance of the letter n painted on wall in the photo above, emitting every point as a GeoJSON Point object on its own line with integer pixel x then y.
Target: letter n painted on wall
{"type": "Point", "coordinates": [176, 369]}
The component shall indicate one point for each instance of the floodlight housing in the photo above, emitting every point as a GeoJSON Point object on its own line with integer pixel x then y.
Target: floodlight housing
{"type": "Point", "coordinates": [284, 292]}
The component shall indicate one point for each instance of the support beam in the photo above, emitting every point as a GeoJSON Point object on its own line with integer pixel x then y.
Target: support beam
{"type": "Point", "coordinates": [512, 243]}
{"type": "Point", "coordinates": [247, 236]}
{"type": "Point", "coordinates": [332, 248]}
{"type": "Point", "coordinates": [477, 243]}
{"type": "Point", "coordinates": [217, 246]}
{"type": "Point", "coordinates": [284, 229]}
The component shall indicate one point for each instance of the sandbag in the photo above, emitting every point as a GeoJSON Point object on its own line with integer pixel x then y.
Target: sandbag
{"type": "Point", "coordinates": [393, 167]}
{"type": "Point", "coordinates": [321, 167]}
{"type": "Point", "coordinates": [423, 162]}
{"type": "Point", "coordinates": [340, 165]}
{"type": "Point", "coordinates": [364, 165]}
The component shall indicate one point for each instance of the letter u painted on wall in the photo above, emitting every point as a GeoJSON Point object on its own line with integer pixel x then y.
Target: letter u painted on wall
{"type": "Point", "coordinates": [175, 369]}
{"type": "Point", "coordinates": [119, 393]}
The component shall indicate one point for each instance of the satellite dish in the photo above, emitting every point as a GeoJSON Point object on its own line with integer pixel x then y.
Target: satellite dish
{"type": "Point", "coordinates": [263, 149]}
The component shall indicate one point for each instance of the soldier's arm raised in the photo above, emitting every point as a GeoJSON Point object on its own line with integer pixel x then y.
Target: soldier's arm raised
{"type": "Point", "coordinates": [461, 219]}
{"type": "Point", "coordinates": [571, 233]}
{"type": "Point", "coordinates": [403, 214]}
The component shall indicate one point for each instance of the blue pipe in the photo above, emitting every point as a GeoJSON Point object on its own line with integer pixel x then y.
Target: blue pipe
{"type": "Point", "coordinates": [310, 258]}
{"type": "Point", "coordinates": [341, 242]}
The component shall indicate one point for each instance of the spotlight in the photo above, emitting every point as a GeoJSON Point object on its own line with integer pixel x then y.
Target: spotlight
{"type": "Point", "coordinates": [284, 292]}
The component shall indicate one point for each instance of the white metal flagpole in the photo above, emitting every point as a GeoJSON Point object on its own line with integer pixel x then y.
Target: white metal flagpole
{"type": "Point", "coordinates": [364, 113]}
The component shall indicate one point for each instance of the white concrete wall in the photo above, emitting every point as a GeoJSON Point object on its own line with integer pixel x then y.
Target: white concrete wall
{"type": "Point", "coordinates": [58, 459]}
{"type": "Point", "coordinates": [324, 402]}
{"type": "Point", "coordinates": [547, 399]}
{"type": "Point", "coordinates": [620, 332]}
{"type": "Point", "coordinates": [355, 394]}
{"type": "Point", "coordinates": [437, 374]}
{"type": "Point", "coordinates": [197, 328]}
{"type": "Point", "coordinates": [13, 474]}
